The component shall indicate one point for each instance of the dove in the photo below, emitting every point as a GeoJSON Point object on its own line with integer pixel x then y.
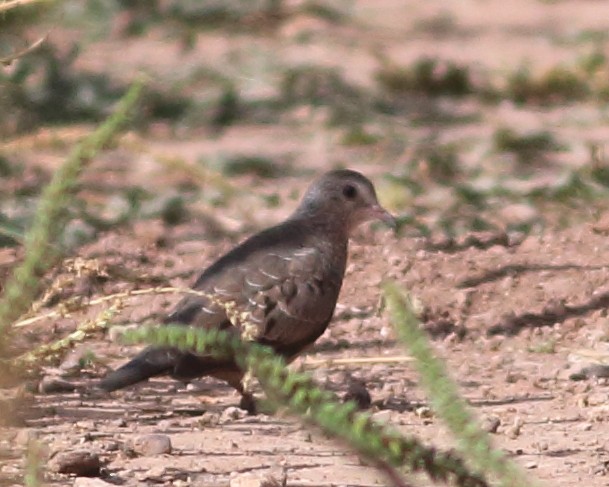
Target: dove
{"type": "Point", "coordinates": [285, 279]}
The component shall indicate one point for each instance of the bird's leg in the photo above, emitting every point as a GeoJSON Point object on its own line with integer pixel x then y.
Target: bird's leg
{"type": "Point", "coordinates": [247, 402]}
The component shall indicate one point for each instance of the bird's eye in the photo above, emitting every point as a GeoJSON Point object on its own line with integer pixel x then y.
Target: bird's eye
{"type": "Point", "coordinates": [349, 191]}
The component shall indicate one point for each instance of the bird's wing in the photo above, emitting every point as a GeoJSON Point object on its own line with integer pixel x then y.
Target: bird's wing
{"type": "Point", "coordinates": [288, 295]}
{"type": "Point", "coordinates": [296, 309]}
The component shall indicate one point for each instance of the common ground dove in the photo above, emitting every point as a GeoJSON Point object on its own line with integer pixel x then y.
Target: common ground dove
{"type": "Point", "coordinates": [286, 278]}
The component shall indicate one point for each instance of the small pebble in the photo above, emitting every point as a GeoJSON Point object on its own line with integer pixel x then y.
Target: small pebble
{"type": "Point", "coordinates": [111, 446]}
{"type": "Point", "coordinates": [598, 399]}
{"type": "Point", "coordinates": [155, 473]}
{"type": "Point", "coordinates": [208, 419]}
{"type": "Point", "coordinates": [584, 427]}
{"type": "Point", "coordinates": [490, 424]}
{"type": "Point", "coordinates": [304, 435]}
{"type": "Point", "coordinates": [150, 445]}
{"type": "Point", "coordinates": [166, 424]}
{"type": "Point", "coordinates": [513, 431]}
{"type": "Point", "coordinates": [119, 423]}
{"type": "Point", "coordinates": [424, 412]}
{"type": "Point", "coordinates": [272, 478]}
{"type": "Point", "coordinates": [600, 371]}
{"type": "Point", "coordinates": [232, 413]}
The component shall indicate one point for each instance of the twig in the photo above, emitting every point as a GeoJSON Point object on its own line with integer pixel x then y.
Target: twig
{"type": "Point", "coordinates": [105, 299]}
{"type": "Point", "coordinates": [10, 4]}
{"type": "Point", "coordinates": [318, 363]}
{"type": "Point", "coordinates": [32, 47]}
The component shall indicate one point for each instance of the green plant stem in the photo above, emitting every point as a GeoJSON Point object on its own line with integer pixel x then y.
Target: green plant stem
{"type": "Point", "coordinates": [444, 396]}
{"type": "Point", "coordinates": [52, 216]}
{"type": "Point", "coordinates": [299, 393]}
{"type": "Point", "coordinates": [33, 464]}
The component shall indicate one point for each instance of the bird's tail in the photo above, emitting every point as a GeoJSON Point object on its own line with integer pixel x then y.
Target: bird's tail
{"type": "Point", "coordinates": [149, 363]}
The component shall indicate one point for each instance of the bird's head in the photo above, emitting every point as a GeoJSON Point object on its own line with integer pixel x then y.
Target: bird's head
{"type": "Point", "coordinates": [346, 198]}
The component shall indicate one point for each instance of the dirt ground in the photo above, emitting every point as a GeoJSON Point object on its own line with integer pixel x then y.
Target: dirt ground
{"type": "Point", "coordinates": [554, 426]}
{"type": "Point", "coordinates": [514, 317]}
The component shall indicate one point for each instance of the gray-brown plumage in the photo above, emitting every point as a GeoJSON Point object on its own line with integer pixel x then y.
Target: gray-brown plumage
{"type": "Point", "coordinates": [287, 278]}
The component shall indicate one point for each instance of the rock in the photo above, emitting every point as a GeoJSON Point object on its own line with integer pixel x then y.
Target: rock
{"type": "Point", "coordinates": [247, 481]}
{"type": "Point", "coordinates": [598, 399]}
{"type": "Point", "coordinates": [208, 419]}
{"type": "Point", "coordinates": [150, 445]}
{"type": "Point", "coordinates": [53, 385]}
{"type": "Point", "coordinates": [232, 413]}
{"type": "Point", "coordinates": [600, 469]}
{"type": "Point", "coordinates": [82, 463]}
{"type": "Point", "coordinates": [111, 446]}
{"type": "Point", "coordinates": [304, 435]}
{"type": "Point", "coordinates": [155, 473]}
{"type": "Point", "coordinates": [273, 478]}
{"type": "Point", "coordinates": [424, 412]}
{"type": "Point", "coordinates": [88, 482]}
{"type": "Point", "coordinates": [86, 425]}
{"type": "Point", "coordinates": [119, 423]}
{"type": "Point", "coordinates": [513, 431]}
{"type": "Point", "coordinates": [584, 426]}
{"type": "Point", "coordinates": [602, 225]}
{"type": "Point", "coordinates": [209, 480]}
{"type": "Point", "coordinates": [594, 370]}
{"type": "Point", "coordinates": [166, 424]}
{"type": "Point", "coordinates": [490, 424]}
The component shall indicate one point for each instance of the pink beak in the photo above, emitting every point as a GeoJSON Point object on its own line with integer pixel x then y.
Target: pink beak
{"type": "Point", "coordinates": [380, 213]}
